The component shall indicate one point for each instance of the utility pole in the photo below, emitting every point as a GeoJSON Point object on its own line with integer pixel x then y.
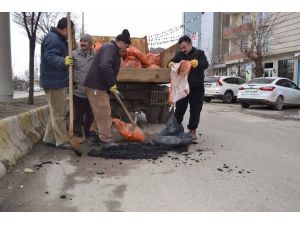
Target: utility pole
{"type": "Point", "coordinates": [82, 23]}
{"type": "Point", "coordinates": [6, 86]}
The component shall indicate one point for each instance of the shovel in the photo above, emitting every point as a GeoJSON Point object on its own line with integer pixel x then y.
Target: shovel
{"type": "Point", "coordinates": [135, 133]}
{"type": "Point", "coordinates": [125, 110]}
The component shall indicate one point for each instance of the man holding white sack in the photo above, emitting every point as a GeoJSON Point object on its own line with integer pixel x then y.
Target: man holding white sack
{"type": "Point", "coordinates": [195, 98]}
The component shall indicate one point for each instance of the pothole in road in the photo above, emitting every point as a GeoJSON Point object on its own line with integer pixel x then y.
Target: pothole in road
{"type": "Point", "coordinates": [145, 150]}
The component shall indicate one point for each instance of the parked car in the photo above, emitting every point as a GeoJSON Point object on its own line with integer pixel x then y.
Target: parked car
{"type": "Point", "coordinates": [275, 91]}
{"type": "Point", "coordinates": [222, 87]}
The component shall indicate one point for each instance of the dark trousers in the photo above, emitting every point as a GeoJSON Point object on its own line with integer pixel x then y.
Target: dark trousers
{"type": "Point", "coordinates": [195, 99]}
{"type": "Point", "coordinates": [83, 115]}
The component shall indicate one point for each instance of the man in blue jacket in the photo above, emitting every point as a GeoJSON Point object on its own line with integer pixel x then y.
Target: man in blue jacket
{"type": "Point", "coordinates": [196, 82]}
{"type": "Point", "coordinates": [54, 79]}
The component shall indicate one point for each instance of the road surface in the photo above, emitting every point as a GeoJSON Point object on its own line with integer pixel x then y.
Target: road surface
{"type": "Point", "coordinates": [245, 160]}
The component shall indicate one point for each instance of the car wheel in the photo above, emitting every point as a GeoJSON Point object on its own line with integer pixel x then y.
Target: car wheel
{"type": "Point", "coordinates": [207, 99]}
{"type": "Point", "coordinates": [228, 97]}
{"type": "Point", "coordinates": [152, 114]}
{"type": "Point", "coordinates": [279, 103]}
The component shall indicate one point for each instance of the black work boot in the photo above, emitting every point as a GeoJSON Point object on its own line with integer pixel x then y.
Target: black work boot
{"type": "Point", "coordinates": [108, 144]}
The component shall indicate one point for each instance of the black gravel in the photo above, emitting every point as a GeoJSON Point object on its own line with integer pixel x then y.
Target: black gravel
{"type": "Point", "coordinates": [62, 196]}
{"type": "Point", "coordinates": [40, 165]}
{"type": "Point", "coordinates": [145, 150]}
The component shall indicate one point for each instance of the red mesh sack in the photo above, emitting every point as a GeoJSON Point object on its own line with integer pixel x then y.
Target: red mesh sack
{"type": "Point", "coordinates": [153, 66]}
{"type": "Point", "coordinates": [133, 51]}
{"type": "Point", "coordinates": [97, 46]}
{"type": "Point", "coordinates": [128, 132]}
{"type": "Point", "coordinates": [185, 67]}
{"type": "Point", "coordinates": [131, 62]}
{"type": "Point", "coordinates": [152, 59]}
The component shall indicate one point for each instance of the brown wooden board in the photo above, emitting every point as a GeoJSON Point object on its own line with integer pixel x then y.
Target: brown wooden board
{"type": "Point", "coordinates": [167, 54]}
{"type": "Point", "coordinates": [160, 76]}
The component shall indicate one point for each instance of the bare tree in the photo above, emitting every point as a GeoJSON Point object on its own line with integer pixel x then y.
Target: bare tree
{"type": "Point", "coordinates": [29, 21]}
{"type": "Point", "coordinates": [50, 19]}
{"type": "Point", "coordinates": [37, 25]}
{"type": "Point", "coordinates": [256, 43]}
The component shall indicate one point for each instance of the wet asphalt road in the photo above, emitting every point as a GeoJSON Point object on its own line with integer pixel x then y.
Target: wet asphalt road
{"type": "Point", "coordinates": [245, 160]}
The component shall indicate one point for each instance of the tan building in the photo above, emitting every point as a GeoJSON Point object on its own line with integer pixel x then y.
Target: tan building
{"type": "Point", "coordinates": [230, 60]}
{"type": "Point", "coordinates": [282, 56]}
{"type": "Point", "coordinates": [281, 50]}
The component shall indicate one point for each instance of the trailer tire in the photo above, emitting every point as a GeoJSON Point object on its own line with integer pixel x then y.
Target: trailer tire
{"type": "Point", "coordinates": [152, 114]}
{"type": "Point", "coordinates": [164, 114]}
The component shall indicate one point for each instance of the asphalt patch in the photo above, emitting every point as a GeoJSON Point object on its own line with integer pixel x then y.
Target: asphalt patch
{"type": "Point", "coordinates": [144, 150]}
{"type": "Point", "coordinates": [40, 165]}
{"type": "Point", "coordinates": [62, 196]}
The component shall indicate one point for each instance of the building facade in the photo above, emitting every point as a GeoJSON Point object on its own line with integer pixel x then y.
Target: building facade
{"type": "Point", "coordinates": [282, 56]}
{"type": "Point", "coordinates": [192, 26]}
{"type": "Point", "coordinates": [230, 60]}
{"type": "Point", "coordinates": [281, 45]}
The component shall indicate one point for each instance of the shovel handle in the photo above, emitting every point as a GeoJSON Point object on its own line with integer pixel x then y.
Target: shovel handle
{"type": "Point", "coordinates": [125, 110]}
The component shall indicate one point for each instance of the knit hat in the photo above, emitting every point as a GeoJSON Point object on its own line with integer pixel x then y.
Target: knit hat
{"type": "Point", "coordinates": [125, 37]}
{"type": "Point", "coordinates": [86, 37]}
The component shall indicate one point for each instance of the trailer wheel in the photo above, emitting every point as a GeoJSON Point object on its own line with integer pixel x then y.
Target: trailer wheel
{"type": "Point", "coordinates": [164, 114]}
{"type": "Point", "coordinates": [152, 114]}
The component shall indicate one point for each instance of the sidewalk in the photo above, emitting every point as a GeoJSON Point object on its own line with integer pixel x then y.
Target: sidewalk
{"type": "Point", "coordinates": [20, 105]}
{"type": "Point", "coordinates": [21, 126]}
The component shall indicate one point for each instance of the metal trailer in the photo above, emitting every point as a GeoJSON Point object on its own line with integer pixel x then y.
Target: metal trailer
{"type": "Point", "coordinates": [144, 90]}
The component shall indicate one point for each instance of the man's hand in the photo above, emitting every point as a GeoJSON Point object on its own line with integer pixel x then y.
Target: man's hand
{"type": "Point", "coordinates": [113, 89]}
{"type": "Point", "coordinates": [171, 65]}
{"type": "Point", "coordinates": [194, 63]}
{"type": "Point", "coordinates": [69, 61]}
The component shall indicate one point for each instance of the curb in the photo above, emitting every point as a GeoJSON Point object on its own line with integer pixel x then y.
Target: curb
{"type": "Point", "coordinates": [19, 133]}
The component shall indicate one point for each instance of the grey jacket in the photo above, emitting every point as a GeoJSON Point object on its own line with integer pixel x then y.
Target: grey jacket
{"type": "Point", "coordinates": [82, 64]}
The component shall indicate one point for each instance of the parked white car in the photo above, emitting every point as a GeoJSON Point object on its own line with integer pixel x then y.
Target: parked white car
{"type": "Point", "coordinates": [275, 91]}
{"type": "Point", "coordinates": [222, 87]}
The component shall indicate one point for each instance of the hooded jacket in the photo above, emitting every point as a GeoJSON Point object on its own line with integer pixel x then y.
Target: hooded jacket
{"type": "Point", "coordinates": [196, 75]}
{"type": "Point", "coordinates": [53, 71]}
{"type": "Point", "coordinates": [105, 68]}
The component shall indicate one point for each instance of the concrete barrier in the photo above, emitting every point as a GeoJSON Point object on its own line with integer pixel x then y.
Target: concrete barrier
{"type": "Point", "coordinates": [19, 133]}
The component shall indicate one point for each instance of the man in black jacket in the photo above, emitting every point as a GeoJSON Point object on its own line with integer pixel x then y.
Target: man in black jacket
{"type": "Point", "coordinates": [102, 77]}
{"type": "Point", "coordinates": [196, 83]}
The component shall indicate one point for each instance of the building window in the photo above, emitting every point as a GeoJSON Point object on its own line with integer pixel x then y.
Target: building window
{"type": "Point", "coordinates": [286, 68]}
{"type": "Point", "coordinates": [246, 18]}
{"type": "Point", "coordinates": [269, 65]}
{"type": "Point", "coordinates": [266, 42]}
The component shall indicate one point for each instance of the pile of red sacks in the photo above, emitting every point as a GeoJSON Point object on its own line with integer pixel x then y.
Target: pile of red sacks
{"type": "Point", "coordinates": [134, 58]}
